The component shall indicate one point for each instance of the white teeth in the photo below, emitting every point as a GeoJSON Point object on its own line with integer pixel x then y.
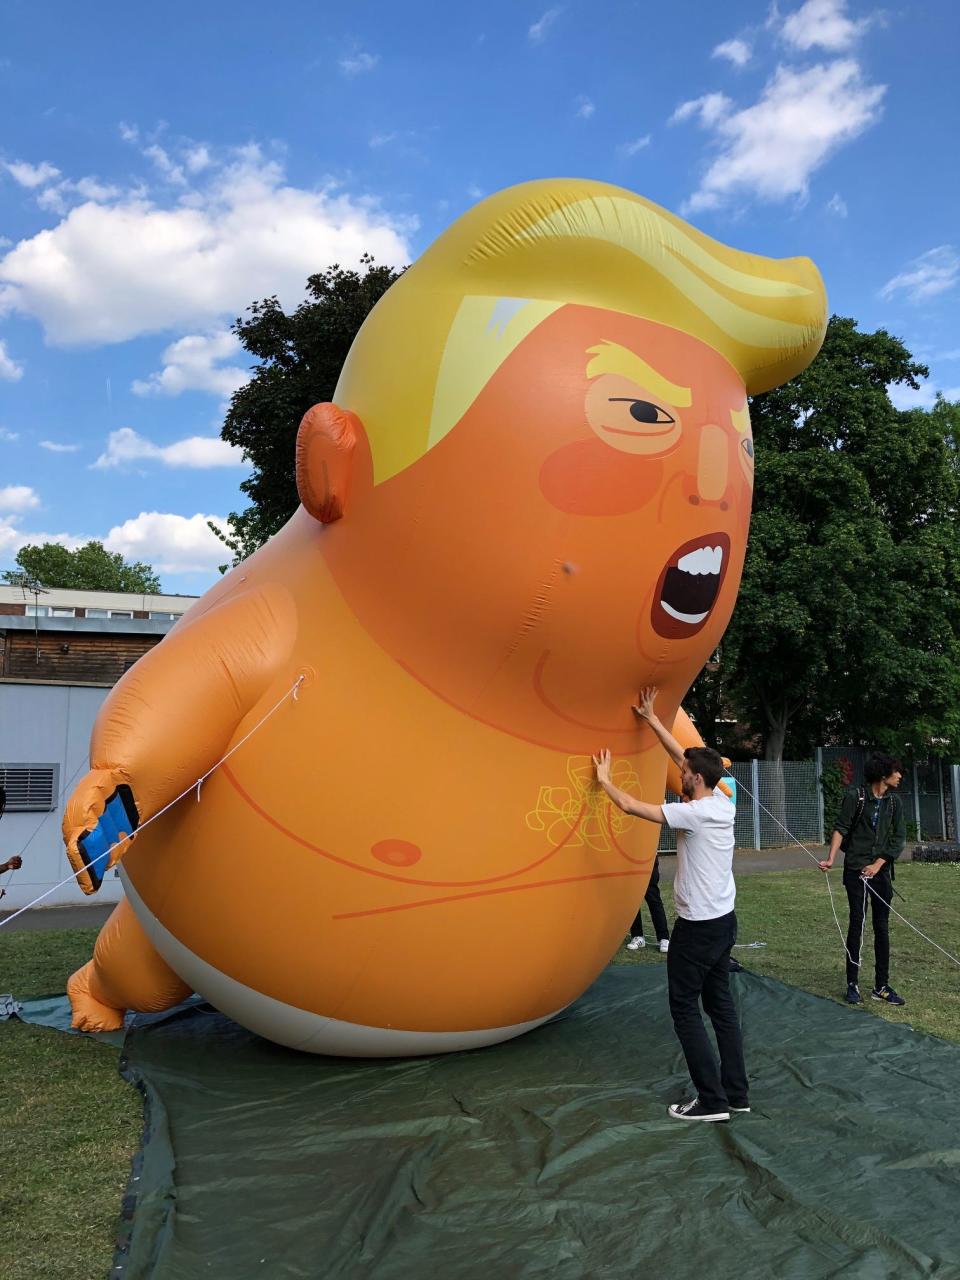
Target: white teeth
{"type": "Point", "coordinates": [703, 560]}
{"type": "Point", "coordinates": [691, 618]}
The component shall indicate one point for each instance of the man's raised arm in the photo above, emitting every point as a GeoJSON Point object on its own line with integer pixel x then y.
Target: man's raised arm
{"type": "Point", "coordinates": [622, 799]}
{"type": "Point", "coordinates": [644, 711]}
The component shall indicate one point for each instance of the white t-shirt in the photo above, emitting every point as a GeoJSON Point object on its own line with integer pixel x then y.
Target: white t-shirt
{"type": "Point", "coordinates": [703, 887]}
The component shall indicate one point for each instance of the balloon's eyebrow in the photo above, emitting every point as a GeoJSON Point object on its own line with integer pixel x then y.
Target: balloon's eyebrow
{"type": "Point", "coordinates": [610, 357]}
{"type": "Point", "coordinates": [740, 419]}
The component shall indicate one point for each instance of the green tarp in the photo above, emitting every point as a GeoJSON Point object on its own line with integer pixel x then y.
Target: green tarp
{"type": "Point", "coordinates": [551, 1156]}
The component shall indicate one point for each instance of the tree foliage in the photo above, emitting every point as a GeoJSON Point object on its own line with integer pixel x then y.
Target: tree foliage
{"type": "Point", "coordinates": [849, 611]}
{"type": "Point", "coordinates": [300, 357]}
{"type": "Point", "coordinates": [89, 568]}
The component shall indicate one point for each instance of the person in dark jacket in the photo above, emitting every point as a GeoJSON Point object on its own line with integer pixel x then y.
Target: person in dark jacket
{"type": "Point", "coordinates": [872, 830]}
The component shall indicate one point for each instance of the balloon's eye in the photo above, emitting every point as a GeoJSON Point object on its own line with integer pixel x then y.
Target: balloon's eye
{"type": "Point", "coordinates": [644, 410]}
{"type": "Point", "coordinates": [747, 447]}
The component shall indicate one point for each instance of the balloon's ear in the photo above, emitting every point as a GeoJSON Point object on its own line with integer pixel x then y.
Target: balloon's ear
{"type": "Point", "coordinates": [326, 443]}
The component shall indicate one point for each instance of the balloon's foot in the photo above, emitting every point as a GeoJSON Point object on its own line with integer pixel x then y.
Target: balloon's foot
{"type": "Point", "coordinates": [90, 1014]}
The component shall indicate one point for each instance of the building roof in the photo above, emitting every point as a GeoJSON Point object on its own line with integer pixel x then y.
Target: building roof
{"type": "Point", "coordinates": [66, 598]}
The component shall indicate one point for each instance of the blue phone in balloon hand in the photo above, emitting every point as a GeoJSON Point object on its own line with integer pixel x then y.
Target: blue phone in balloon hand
{"type": "Point", "coordinates": [119, 815]}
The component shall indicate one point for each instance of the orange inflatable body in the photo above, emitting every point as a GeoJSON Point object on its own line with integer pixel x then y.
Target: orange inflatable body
{"type": "Point", "coordinates": [531, 498]}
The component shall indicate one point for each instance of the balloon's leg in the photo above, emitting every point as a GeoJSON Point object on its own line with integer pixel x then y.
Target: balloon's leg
{"type": "Point", "coordinates": [126, 972]}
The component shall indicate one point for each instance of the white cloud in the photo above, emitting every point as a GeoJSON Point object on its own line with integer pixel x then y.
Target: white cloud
{"type": "Point", "coordinates": [736, 51]}
{"type": "Point", "coordinates": [172, 171]}
{"type": "Point", "coordinates": [10, 371]}
{"type": "Point", "coordinates": [58, 198]}
{"type": "Point", "coordinates": [110, 272]}
{"type": "Point", "coordinates": [585, 107]}
{"type": "Point", "coordinates": [932, 273]}
{"type": "Point", "coordinates": [18, 497]}
{"type": "Point", "coordinates": [381, 139]}
{"type": "Point", "coordinates": [836, 204]}
{"type": "Point", "coordinates": [194, 363]}
{"type": "Point", "coordinates": [32, 175]}
{"type": "Point", "coordinates": [170, 543]}
{"type": "Point", "coordinates": [632, 148]}
{"type": "Point", "coordinates": [355, 64]}
{"type": "Point", "coordinates": [823, 24]}
{"type": "Point", "coordinates": [709, 109]}
{"type": "Point", "coordinates": [8, 437]}
{"type": "Point", "coordinates": [198, 158]}
{"type": "Point", "coordinates": [129, 132]}
{"type": "Point", "coordinates": [475, 192]}
{"type": "Point", "coordinates": [54, 446]}
{"type": "Point", "coordinates": [12, 538]}
{"type": "Point", "coordinates": [923, 397]}
{"type": "Point", "coordinates": [538, 31]}
{"type": "Point", "coordinates": [769, 150]}
{"type": "Point", "coordinates": [125, 447]}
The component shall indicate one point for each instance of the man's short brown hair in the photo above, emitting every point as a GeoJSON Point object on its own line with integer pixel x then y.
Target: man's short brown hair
{"type": "Point", "coordinates": [707, 762]}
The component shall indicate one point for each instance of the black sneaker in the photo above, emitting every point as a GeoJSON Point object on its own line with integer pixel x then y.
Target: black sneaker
{"type": "Point", "coordinates": [695, 1111]}
{"type": "Point", "coordinates": [887, 995]}
{"type": "Point", "coordinates": [742, 1110]}
{"type": "Point", "coordinates": [853, 995]}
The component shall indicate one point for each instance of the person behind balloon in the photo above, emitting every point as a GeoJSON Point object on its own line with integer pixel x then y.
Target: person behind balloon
{"type": "Point", "coordinates": [658, 915]}
{"type": "Point", "coordinates": [698, 962]}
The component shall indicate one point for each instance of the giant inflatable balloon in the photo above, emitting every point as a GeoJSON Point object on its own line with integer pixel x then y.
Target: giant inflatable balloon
{"type": "Point", "coordinates": [530, 498]}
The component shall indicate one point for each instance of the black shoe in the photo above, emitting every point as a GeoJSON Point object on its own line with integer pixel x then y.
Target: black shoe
{"type": "Point", "coordinates": [741, 1110]}
{"type": "Point", "coordinates": [853, 995]}
{"type": "Point", "coordinates": [887, 995]}
{"type": "Point", "coordinates": [695, 1111]}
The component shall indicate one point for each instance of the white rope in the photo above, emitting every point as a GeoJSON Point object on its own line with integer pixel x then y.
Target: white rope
{"type": "Point", "coordinates": [866, 883]}
{"type": "Point", "coordinates": [892, 908]}
{"type": "Point", "coordinates": [194, 786]}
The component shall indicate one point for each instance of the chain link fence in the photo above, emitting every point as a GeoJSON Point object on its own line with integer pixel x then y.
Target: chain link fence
{"type": "Point", "coordinates": [776, 801]}
{"type": "Point", "coordinates": [928, 790]}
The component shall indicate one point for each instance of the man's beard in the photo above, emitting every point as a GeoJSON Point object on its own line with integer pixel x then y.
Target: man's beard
{"type": "Point", "coordinates": [687, 787]}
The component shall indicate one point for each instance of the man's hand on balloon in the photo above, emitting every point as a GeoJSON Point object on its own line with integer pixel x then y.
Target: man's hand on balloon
{"type": "Point", "coordinates": [644, 708]}
{"type": "Point", "coordinates": [601, 763]}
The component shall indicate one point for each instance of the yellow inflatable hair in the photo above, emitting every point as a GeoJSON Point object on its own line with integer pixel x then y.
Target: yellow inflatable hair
{"type": "Point", "coordinates": [448, 324]}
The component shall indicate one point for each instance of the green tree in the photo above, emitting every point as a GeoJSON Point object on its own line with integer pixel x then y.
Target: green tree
{"type": "Point", "coordinates": [89, 568]}
{"type": "Point", "coordinates": [300, 356]}
{"type": "Point", "coordinates": [848, 615]}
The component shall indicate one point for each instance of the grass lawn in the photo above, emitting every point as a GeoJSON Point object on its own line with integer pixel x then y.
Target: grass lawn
{"type": "Point", "coordinates": [70, 1124]}
{"type": "Point", "coordinates": [790, 912]}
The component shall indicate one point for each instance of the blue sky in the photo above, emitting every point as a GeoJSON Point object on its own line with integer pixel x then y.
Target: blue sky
{"type": "Point", "coordinates": [163, 166]}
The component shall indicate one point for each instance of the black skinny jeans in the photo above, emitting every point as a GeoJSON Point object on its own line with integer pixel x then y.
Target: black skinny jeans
{"type": "Point", "coordinates": [655, 906]}
{"type": "Point", "coordinates": [861, 899]}
{"type": "Point", "coordinates": [698, 969]}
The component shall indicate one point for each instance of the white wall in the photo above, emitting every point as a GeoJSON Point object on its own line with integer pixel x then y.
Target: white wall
{"type": "Point", "coordinates": [46, 724]}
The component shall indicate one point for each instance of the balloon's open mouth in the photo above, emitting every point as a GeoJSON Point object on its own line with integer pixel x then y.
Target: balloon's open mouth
{"type": "Point", "coordinates": [689, 586]}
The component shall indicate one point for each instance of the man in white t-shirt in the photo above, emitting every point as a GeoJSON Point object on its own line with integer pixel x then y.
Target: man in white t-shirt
{"type": "Point", "coordinates": [698, 962]}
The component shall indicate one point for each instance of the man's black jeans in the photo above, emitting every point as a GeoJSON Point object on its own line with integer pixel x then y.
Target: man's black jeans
{"type": "Point", "coordinates": [858, 896]}
{"type": "Point", "coordinates": [655, 906]}
{"type": "Point", "coordinates": [698, 968]}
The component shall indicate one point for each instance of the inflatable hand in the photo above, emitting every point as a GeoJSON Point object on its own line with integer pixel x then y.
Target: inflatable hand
{"type": "Point", "coordinates": [98, 823]}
